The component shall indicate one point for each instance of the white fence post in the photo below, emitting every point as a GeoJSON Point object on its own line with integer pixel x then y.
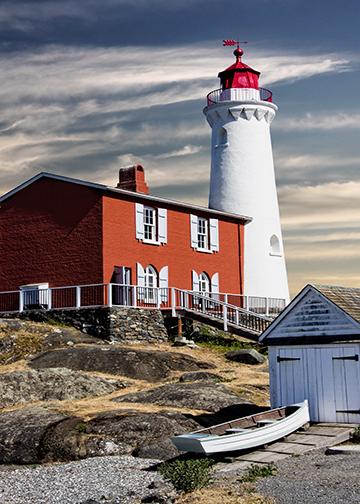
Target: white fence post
{"type": "Point", "coordinates": [173, 302]}
{"type": "Point", "coordinates": [158, 298]}
{"type": "Point", "coordinates": [266, 306]}
{"type": "Point", "coordinates": [134, 297]}
{"type": "Point", "coordinates": [109, 294]}
{"type": "Point", "coordinates": [21, 300]}
{"type": "Point", "coordinates": [225, 312]}
{"type": "Point", "coordinates": [78, 296]}
{"type": "Point", "coordinates": [49, 304]}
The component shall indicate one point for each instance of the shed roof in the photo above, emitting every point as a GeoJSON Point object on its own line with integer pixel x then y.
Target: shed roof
{"type": "Point", "coordinates": [318, 314]}
{"type": "Point", "coordinates": [346, 298]}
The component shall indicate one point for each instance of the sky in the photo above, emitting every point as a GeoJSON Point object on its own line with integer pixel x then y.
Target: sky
{"type": "Point", "coordinates": [87, 87]}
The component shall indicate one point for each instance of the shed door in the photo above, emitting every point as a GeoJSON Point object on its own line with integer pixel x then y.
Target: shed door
{"type": "Point", "coordinates": [345, 364]}
{"type": "Point", "coordinates": [293, 382]}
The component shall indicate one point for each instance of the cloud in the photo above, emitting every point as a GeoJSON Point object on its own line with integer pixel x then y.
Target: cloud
{"type": "Point", "coordinates": [319, 121]}
{"type": "Point", "coordinates": [329, 205]}
{"type": "Point", "coordinates": [187, 150]}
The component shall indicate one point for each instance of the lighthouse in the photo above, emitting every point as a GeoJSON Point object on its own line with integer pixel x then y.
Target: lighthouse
{"type": "Point", "coordinates": [242, 179]}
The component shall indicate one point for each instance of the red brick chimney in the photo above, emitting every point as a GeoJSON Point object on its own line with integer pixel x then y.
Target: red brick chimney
{"type": "Point", "coordinates": [132, 178]}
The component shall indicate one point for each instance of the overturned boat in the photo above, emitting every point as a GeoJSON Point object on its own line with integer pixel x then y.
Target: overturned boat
{"type": "Point", "coordinates": [246, 432]}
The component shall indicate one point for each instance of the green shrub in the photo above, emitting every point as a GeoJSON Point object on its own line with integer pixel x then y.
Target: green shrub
{"type": "Point", "coordinates": [258, 471]}
{"type": "Point", "coordinates": [355, 437]}
{"type": "Point", "coordinates": [187, 474]}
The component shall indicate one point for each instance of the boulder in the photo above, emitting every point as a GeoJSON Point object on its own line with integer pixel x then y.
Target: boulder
{"type": "Point", "coordinates": [149, 365]}
{"type": "Point", "coordinates": [146, 435]}
{"type": "Point", "coordinates": [207, 396]}
{"type": "Point", "coordinates": [246, 356]}
{"type": "Point", "coordinates": [199, 376]}
{"type": "Point", "coordinates": [22, 432]}
{"type": "Point", "coordinates": [21, 338]}
{"type": "Point", "coordinates": [51, 384]}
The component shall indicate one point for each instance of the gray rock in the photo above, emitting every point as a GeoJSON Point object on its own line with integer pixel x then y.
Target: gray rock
{"type": "Point", "coordinates": [199, 376]}
{"type": "Point", "coordinates": [22, 432]}
{"type": "Point", "coordinates": [149, 365]}
{"type": "Point", "coordinates": [246, 356]}
{"type": "Point", "coordinates": [146, 435]}
{"type": "Point", "coordinates": [51, 384]}
{"type": "Point", "coordinates": [206, 396]}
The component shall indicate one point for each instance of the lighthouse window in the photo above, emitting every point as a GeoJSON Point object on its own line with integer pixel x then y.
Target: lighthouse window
{"type": "Point", "coordinates": [150, 224]}
{"type": "Point", "coordinates": [223, 138]}
{"type": "Point", "coordinates": [275, 246]}
{"type": "Point", "coordinates": [203, 233]}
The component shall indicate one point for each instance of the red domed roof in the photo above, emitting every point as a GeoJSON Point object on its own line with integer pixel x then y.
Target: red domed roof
{"type": "Point", "coordinates": [239, 75]}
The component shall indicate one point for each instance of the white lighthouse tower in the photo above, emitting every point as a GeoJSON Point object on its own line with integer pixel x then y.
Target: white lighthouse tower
{"type": "Point", "coordinates": [242, 174]}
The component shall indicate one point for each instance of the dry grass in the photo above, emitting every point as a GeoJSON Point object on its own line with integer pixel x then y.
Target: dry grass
{"type": "Point", "coordinates": [231, 494]}
{"type": "Point", "coordinates": [248, 381]}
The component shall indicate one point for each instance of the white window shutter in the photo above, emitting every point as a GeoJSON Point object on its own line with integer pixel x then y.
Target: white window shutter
{"type": "Point", "coordinates": [214, 235]}
{"type": "Point", "coordinates": [164, 283]}
{"type": "Point", "coordinates": [139, 217]}
{"type": "Point", "coordinates": [140, 273]}
{"type": "Point", "coordinates": [194, 231]}
{"type": "Point", "coordinates": [162, 225]}
{"type": "Point", "coordinates": [195, 281]}
{"type": "Point", "coordinates": [215, 286]}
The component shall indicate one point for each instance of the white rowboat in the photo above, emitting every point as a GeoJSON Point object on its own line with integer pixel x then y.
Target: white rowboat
{"type": "Point", "coordinates": [246, 432]}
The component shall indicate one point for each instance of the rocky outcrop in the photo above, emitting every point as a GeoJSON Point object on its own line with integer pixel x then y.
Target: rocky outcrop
{"type": "Point", "coordinates": [199, 376]}
{"type": "Point", "coordinates": [146, 435]}
{"type": "Point", "coordinates": [206, 396]}
{"type": "Point", "coordinates": [35, 435]}
{"type": "Point", "coordinates": [246, 356]}
{"type": "Point", "coordinates": [51, 384]}
{"type": "Point", "coordinates": [146, 365]}
{"type": "Point", "coordinates": [22, 432]}
{"type": "Point", "coordinates": [21, 338]}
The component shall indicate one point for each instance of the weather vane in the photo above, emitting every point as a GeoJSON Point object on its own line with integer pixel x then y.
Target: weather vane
{"type": "Point", "coordinates": [232, 42]}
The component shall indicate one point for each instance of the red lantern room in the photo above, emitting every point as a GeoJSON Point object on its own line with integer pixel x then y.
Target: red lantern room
{"type": "Point", "coordinates": [239, 75]}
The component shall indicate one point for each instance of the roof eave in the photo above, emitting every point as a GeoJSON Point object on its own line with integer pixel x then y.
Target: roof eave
{"type": "Point", "coordinates": [107, 189]}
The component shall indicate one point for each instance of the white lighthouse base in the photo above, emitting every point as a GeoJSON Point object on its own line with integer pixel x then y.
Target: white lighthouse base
{"type": "Point", "coordinates": [243, 182]}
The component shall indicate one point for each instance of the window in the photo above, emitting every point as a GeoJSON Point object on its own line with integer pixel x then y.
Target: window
{"type": "Point", "coordinates": [152, 287]}
{"type": "Point", "coordinates": [275, 246]}
{"type": "Point", "coordinates": [222, 138]}
{"type": "Point", "coordinates": [151, 224]}
{"type": "Point", "coordinates": [204, 283]}
{"type": "Point", "coordinates": [204, 234]}
{"type": "Point", "coordinates": [150, 227]}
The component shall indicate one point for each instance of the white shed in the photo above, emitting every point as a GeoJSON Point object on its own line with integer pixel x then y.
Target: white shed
{"type": "Point", "coordinates": [314, 348]}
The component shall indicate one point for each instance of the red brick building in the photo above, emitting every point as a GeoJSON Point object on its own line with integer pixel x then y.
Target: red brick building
{"type": "Point", "coordinates": [62, 231]}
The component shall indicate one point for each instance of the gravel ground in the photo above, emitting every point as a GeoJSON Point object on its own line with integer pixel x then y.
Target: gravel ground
{"type": "Point", "coordinates": [315, 478]}
{"type": "Point", "coordinates": [114, 480]}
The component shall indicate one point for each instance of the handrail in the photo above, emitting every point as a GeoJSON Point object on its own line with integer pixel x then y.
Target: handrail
{"type": "Point", "coordinates": [136, 296]}
{"type": "Point", "coordinates": [215, 96]}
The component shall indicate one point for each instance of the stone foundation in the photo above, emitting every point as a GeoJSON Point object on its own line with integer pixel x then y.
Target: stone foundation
{"type": "Point", "coordinates": [128, 325]}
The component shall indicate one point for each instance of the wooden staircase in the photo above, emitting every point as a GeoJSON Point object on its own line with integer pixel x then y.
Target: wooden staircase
{"type": "Point", "coordinates": [219, 314]}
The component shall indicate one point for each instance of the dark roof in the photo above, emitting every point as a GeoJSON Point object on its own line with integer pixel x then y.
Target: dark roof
{"type": "Point", "coordinates": [134, 195]}
{"type": "Point", "coordinates": [346, 298]}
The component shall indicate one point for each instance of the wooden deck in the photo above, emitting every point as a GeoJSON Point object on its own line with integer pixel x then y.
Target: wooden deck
{"type": "Point", "coordinates": [321, 435]}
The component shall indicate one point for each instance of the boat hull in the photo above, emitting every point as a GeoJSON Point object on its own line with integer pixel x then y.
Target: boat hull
{"type": "Point", "coordinates": [197, 442]}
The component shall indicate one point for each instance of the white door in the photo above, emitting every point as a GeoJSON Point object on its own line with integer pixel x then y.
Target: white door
{"type": "Point", "coordinates": [292, 379]}
{"type": "Point", "coordinates": [345, 365]}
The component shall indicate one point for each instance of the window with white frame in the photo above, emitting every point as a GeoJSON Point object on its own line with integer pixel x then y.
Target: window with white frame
{"type": "Point", "coordinates": [151, 224]}
{"type": "Point", "coordinates": [204, 283]}
{"type": "Point", "coordinates": [204, 234]}
{"type": "Point", "coordinates": [150, 227]}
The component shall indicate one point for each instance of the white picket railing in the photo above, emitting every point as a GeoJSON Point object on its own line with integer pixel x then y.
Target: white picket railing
{"type": "Point", "coordinates": [213, 307]}
{"type": "Point", "coordinates": [243, 311]}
